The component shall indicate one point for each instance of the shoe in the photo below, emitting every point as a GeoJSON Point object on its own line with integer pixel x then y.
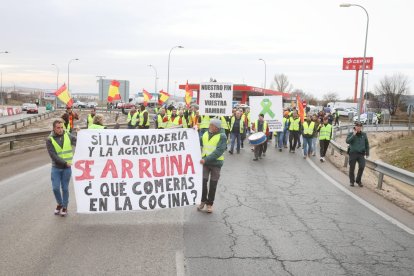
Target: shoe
{"type": "Point", "coordinates": [304, 157]}
{"type": "Point", "coordinates": [264, 154]}
{"type": "Point", "coordinates": [360, 184]}
{"type": "Point", "coordinates": [242, 145]}
{"type": "Point", "coordinates": [280, 150]}
{"type": "Point", "coordinates": [209, 209]}
{"type": "Point", "coordinates": [323, 158]}
{"type": "Point", "coordinates": [299, 146]}
{"type": "Point", "coordinates": [238, 152]}
{"type": "Point", "coordinates": [352, 184]}
{"type": "Point", "coordinates": [201, 206]}
{"type": "Point", "coordinates": [230, 151]}
{"type": "Point", "coordinates": [255, 159]}
{"type": "Point", "coordinates": [64, 212]}
{"type": "Point", "coordinates": [290, 151]}
{"type": "Point", "coordinates": [57, 210]}
{"type": "Point", "coordinates": [313, 154]}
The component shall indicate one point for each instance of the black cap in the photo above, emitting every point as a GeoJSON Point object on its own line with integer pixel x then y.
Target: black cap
{"type": "Point", "coordinates": [357, 123]}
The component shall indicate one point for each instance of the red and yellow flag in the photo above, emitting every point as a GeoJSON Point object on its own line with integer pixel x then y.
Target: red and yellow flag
{"type": "Point", "coordinates": [163, 97]}
{"type": "Point", "coordinates": [113, 93]}
{"type": "Point", "coordinates": [301, 110]}
{"type": "Point", "coordinates": [188, 95]}
{"type": "Point", "coordinates": [63, 95]}
{"type": "Point", "coordinates": [147, 96]}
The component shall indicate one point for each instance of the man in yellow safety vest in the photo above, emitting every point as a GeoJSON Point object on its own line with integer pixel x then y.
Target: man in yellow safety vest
{"type": "Point", "coordinates": [90, 117]}
{"type": "Point", "coordinates": [325, 134]}
{"type": "Point", "coordinates": [144, 122]}
{"type": "Point", "coordinates": [59, 146]}
{"type": "Point", "coordinates": [214, 145]}
{"type": "Point", "coordinates": [308, 130]}
{"type": "Point", "coordinates": [294, 128]}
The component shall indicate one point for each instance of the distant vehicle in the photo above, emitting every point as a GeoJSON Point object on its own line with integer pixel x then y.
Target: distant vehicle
{"type": "Point", "coordinates": [334, 105]}
{"type": "Point", "coordinates": [344, 111]}
{"type": "Point", "coordinates": [32, 108]}
{"type": "Point", "coordinates": [92, 105]}
{"type": "Point", "coordinates": [369, 117]}
{"type": "Point", "coordinates": [24, 106]}
{"type": "Point", "coordinates": [79, 104]}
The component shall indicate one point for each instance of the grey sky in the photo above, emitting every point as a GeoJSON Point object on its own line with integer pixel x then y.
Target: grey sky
{"type": "Point", "coordinates": [306, 40]}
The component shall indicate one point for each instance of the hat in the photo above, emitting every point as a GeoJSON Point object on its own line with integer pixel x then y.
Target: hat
{"type": "Point", "coordinates": [216, 123]}
{"type": "Point", "coordinates": [357, 123]}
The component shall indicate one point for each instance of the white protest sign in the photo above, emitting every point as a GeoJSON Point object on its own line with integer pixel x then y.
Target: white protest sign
{"type": "Point", "coordinates": [272, 109]}
{"type": "Point", "coordinates": [216, 99]}
{"type": "Point", "coordinates": [128, 170]}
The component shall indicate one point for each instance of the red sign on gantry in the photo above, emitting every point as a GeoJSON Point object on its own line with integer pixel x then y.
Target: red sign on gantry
{"type": "Point", "coordinates": [355, 63]}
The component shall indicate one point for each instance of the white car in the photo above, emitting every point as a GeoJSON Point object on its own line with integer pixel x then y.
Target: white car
{"type": "Point", "coordinates": [79, 104]}
{"type": "Point", "coordinates": [24, 106]}
{"type": "Point", "coordinates": [92, 105]}
{"type": "Point", "coordinates": [364, 118]}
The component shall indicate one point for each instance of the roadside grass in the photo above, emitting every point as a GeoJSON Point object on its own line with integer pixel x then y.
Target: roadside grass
{"type": "Point", "coordinates": [398, 151]}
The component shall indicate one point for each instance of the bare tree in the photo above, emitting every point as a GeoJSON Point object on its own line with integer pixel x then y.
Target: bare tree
{"type": "Point", "coordinates": [282, 83]}
{"type": "Point", "coordinates": [311, 99]}
{"type": "Point", "coordinates": [330, 97]}
{"type": "Point", "coordinates": [390, 90]}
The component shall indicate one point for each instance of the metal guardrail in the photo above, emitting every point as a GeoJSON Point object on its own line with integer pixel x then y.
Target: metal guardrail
{"type": "Point", "coordinates": [23, 121]}
{"type": "Point", "coordinates": [378, 166]}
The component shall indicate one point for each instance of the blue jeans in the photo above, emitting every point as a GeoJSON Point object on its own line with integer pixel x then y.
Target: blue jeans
{"type": "Point", "coordinates": [314, 140]}
{"type": "Point", "coordinates": [307, 142]}
{"type": "Point", "coordinates": [233, 138]}
{"type": "Point", "coordinates": [285, 137]}
{"type": "Point", "coordinates": [280, 138]}
{"type": "Point", "coordinates": [60, 179]}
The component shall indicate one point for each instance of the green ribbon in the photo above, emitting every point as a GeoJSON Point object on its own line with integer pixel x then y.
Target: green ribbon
{"type": "Point", "coordinates": [266, 104]}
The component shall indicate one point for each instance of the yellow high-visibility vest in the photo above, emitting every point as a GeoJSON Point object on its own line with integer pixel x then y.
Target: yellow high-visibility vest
{"type": "Point", "coordinates": [133, 118]}
{"type": "Point", "coordinates": [64, 152]}
{"type": "Point", "coordinates": [308, 128]}
{"type": "Point", "coordinates": [325, 132]}
{"type": "Point", "coordinates": [294, 124]}
{"type": "Point", "coordinates": [209, 146]}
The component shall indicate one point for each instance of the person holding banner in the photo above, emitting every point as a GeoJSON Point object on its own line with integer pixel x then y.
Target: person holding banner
{"type": "Point", "coordinates": [59, 146]}
{"type": "Point", "coordinates": [214, 144]}
{"type": "Point", "coordinates": [144, 122]}
{"type": "Point", "coordinates": [97, 122]}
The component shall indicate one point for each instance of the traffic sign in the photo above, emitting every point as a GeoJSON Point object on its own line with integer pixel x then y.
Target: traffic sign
{"type": "Point", "coordinates": [355, 63]}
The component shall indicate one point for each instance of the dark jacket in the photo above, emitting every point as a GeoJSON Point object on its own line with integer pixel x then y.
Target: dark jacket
{"type": "Point", "coordinates": [211, 160]}
{"type": "Point", "coordinates": [58, 162]}
{"type": "Point", "coordinates": [358, 143]}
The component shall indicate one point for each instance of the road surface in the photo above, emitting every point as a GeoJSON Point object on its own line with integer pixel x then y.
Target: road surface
{"type": "Point", "coordinates": [278, 216]}
{"type": "Point", "coordinates": [7, 119]}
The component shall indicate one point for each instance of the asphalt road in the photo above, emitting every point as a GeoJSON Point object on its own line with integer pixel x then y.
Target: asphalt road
{"type": "Point", "coordinates": [7, 119]}
{"type": "Point", "coordinates": [278, 216]}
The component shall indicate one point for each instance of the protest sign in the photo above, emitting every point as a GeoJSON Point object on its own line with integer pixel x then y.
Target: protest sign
{"type": "Point", "coordinates": [272, 109]}
{"type": "Point", "coordinates": [216, 99]}
{"type": "Point", "coordinates": [127, 170]}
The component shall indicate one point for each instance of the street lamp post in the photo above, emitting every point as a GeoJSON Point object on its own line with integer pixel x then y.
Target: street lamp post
{"type": "Point", "coordinates": [264, 75]}
{"type": "Point", "coordinates": [156, 77]}
{"type": "Point", "coordinates": [346, 5]}
{"type": "Point", "coordinates": [70, 61]}
{"type": "Point", "coordinates": [168, 73]}
{"type": "Point", "coordinates": [1, 81]}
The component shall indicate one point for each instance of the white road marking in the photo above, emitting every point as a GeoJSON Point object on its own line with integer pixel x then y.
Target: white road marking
{"type": "Point", "coordinates": [179, 262]}
{"type": "Point", "coordinates": [13, 178]}
{"type": "Point", "coordinates": [362, 201]}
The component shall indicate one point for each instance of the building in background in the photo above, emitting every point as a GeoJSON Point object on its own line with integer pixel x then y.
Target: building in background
{"type": "Point", "coordinates": [104, 87]}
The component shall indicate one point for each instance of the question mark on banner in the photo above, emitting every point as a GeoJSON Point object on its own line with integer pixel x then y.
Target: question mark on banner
{"type": "Point", "coordinates": [195, 195]}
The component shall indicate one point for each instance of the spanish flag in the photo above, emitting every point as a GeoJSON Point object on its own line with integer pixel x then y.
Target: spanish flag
{"type": "Point", "coordinates": [63, 95]}
{"type": "Point", "coordinates": [147, 97]}
{"type": "Point", "coordinates": [301, 110]}
{"type": "Point", "coordinates": [188, 95]}
{"type": "Point", "coordinates": [163, 97]}
{"type": "Point", "coordinates": [113, 93]}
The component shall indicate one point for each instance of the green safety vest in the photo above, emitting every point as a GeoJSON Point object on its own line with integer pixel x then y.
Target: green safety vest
{"type": "Point", "coordinates": [205, 121]}
{"type": "Point", "coordinates": [160, 121]}
{"type": "Point", "coordinates": [209, 146]}
{"type": "Point", "coordinates": [141, 118]}
{"type": "Point", "coordinates": [233, 119]}
{"type": "Point", "coordinates": [264, 126]}
{"type": "Point", "coordinates": [66, 151]}
{"type": "Point", "coordinates": [308, 128]}
{"type": "Point", "coordinates": [325, 132]}
{"type": "Point", "coordinates": [95, 126]}
{"type": "Point", "coordinates": [90, 119]}
{"type": "Point", "coordinates": [294, 124]}
{"type": "Point", "coordinates": [133, 118]}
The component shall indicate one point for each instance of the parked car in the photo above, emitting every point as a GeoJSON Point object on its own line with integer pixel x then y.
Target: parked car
{"type": "Point", "coordinates": [364, 118]}
{"type": "Point", "coordinates": [92, 105]}
{"type": "Point", "coordinates": [79, 104]}
{"type": "Point", "coordinates": [24, 106]}
{"type": "Point", "coordinates": [32, 108]}
{"type": "Point", "coordinates": [125, 105]}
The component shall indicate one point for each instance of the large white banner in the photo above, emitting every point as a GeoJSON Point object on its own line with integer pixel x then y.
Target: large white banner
{"type": "Point", "coordinates": [272, 109]}
{"type": "Point", "coordinates": [129, 170]}
{"type": "Point", "coordinates": [216, 98]}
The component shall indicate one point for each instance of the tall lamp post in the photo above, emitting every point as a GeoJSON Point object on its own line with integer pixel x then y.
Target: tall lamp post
{"type": "Point", "coordinates": [156, 76]}
{"type": "Point", "coordinates": [168, 73]}
{"type": "Point", "coordinates": [1, 80]}
{"type": "Point", "coordinates": [57, 82]}
{"type": "Point", "coordinates": [347, 5]}
{"type": "Point", "coordinates": [264, 75]}
{"type": "Point", "coordinates": [70, 61]}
